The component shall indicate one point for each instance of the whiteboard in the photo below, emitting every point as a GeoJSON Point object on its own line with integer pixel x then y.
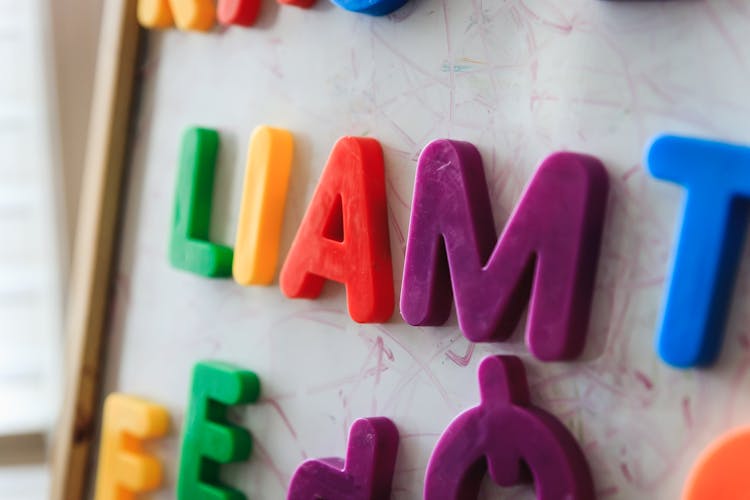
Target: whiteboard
{"type": "Point", "coordinates": [518, 78]}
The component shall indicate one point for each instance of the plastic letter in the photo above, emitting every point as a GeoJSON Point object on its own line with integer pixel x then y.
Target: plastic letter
{"type": "Point", "coordinates": [717, 179]}
{"type": "Point", "coordinates": [154, 14]}
{"type": "Point", "coordinates": [344, 234]}
{"type": "Point", "coordinates": [124, 468]}
{"type": "Point", "coordinates": [269, 162]}
{"type": "Point", "coordinates": [209, 439]}
{"type": "Point", "coordinates": [366, 474]}
{"type": "Point", "coordinates": [189, 248]}
{"type": "Point", "coordinates": [195, 15]}
{"type": "Point", "coordinates": [548, 250]}
{"type": "Point", "coordinates": [508, 438]}
{"type": "Point", "coordinates": [721, 471]}
{"type": "Point", "coordinates": [371, 7]}
{"type": "Point", "coordinates": [239, 12]}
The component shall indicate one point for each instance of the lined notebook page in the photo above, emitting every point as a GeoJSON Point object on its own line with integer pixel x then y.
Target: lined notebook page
{"type": "Point", "coordinates": [30, 222]}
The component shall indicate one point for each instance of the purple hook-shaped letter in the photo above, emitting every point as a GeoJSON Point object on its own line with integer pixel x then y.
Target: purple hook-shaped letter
{"type": "Point", "coordinates": [510, 439]}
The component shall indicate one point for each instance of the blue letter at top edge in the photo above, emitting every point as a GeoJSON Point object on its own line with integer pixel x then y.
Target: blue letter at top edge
{"type": "Point", "coordinates": [372, 7]}
{"type": "Point", "coordinates": [717, 178]}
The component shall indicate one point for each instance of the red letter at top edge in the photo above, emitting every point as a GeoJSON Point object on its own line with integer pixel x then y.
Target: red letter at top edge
{"type": "Point", "coordinates": [305, 4]}
{"type": "Point", "coordinates": [344, 234]}
{"type": "Point", "coordinates": [239, 12]}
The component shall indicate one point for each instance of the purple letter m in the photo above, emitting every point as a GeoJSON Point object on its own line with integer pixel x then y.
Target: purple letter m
{"type": "Point", "coordinates": [547, 254]}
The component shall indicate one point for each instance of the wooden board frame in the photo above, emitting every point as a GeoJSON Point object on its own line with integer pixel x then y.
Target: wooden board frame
{"type": "Point", "coordinates": [91, 274]}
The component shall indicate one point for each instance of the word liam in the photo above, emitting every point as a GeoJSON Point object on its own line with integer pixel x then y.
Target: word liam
{"type": "Point", "coordinates": [546, 257]}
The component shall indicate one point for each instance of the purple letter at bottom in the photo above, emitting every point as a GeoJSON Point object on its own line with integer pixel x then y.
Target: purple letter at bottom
{"type": "Point", "coordinates": [508, 438]}
{"type": "Point", "coordinates": [366, 474]}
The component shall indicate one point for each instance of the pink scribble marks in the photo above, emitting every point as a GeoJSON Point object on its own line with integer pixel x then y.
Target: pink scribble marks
{"type": "Point", "coordinates": [284, 418]}
{"type": "Point", "coordinates": [607, 491]}
{"type": "Point", "coordinates": [687, 414]}
{"type": "Point", "coordinates": [395, 194]}
{"type": "Point", "coordinates": [315, 314]}
{"type": "Point", "coordinates": [419, 366]}
{"type": "Point", "coordinates": [375, 363]}
{"type": "Point", "coordinates": [400, 237]}
{"type": "Point", "coordinates": [381, 350]}
{"type": "Point", "coordinates": [266, 459]}
{"type": "Point", "coordinates": [463, 360]}
{"type": "Point", "coordinates": [644, 379]}
{"type": "Point", "coordinates": [561, 24]}
{"type": "Point", "coordinates": [631, 172]}
{"type": "Point", "coordinates": [626, 472]}
{"type": "Point", "coordinates": [734, 46]}
{"type": "Point", "coordinates": [738, 375]}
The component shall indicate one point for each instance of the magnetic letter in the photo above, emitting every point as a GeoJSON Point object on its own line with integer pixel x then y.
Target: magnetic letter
{"type": "Point", "coordinates": [721, 471]}
{"type": "Point", "coordinates": [209, 439]}
{"type": "Point", "coordinates": [269, 161]}
{"type": "Point", "coordinates": [189, 248]}
{"type": "Point", "coordinates": [124, 468]}
{"type": "Point", "coordinates": [366, 474]}
{"type": "Point", "coordinates": [196, 15]}
{"type": "Point", "coordinates": [155, 14]}
{"type": "Point", "coordinates": [548, 250]}
{"type": "Point", "coordinates": [344, 234]}
{"type": "Point", "coordinates": [305, 4]}
{"type": "Point", "coordinates": [371, 7]}
{"type": "Point", "coordinates": [508, 438]}
{"type": "Point", "coordinates": [717, 179]}
{"type": "Point", "coordinates": [239, 12]}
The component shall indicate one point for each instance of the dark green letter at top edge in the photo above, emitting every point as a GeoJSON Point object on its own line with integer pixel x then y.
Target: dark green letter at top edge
{"type": "Point", "coordinates": [190, 248]}
{"type": "Point", "coordinates": [209, 439]}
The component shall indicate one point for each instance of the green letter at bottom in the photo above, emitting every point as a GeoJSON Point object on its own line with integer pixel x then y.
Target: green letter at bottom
{"type": "Point", "coordinates": [209, 439]}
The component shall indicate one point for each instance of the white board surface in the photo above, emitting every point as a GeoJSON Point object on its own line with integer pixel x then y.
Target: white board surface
{"type": "Point", "coordinates": [520, 79]}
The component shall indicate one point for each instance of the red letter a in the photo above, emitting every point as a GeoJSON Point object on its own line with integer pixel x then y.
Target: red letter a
{"type": "Point", "coordinates": [344, 234]}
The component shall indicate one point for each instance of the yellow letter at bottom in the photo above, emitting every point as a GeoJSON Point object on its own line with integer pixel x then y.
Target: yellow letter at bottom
{"type": "Point", "coordinates": [124, 468]}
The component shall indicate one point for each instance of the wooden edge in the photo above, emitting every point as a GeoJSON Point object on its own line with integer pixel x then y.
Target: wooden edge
{"type": "Point", "coordinates": [91, 273]}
